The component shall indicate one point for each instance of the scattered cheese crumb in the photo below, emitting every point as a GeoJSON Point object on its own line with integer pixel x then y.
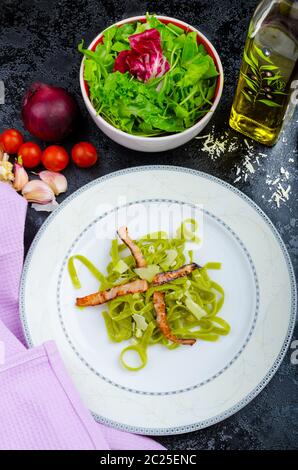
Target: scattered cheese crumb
{"type": "Point", "coordinates": [279, 187]}
{"type": "Point", "coordinates": [216, 146]}
{"type": "Point", "coordinates": [202, 136]}
{"type": "Point", "coordinates": [285, 173]}
{"type": "Point", "coordinates": [281, 194]}
{"type": "Point", "coordinates": [250, 147]}
{"type": "Point", "coordinates": [213, 146]}
{"type": "Point", "coordinates": [249, 162]}
{"type": "Point", "coordinates": [249, 166]}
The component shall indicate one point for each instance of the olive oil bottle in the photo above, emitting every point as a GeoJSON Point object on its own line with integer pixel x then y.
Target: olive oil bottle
{"type": "Point", "coordinates": [268, 74]}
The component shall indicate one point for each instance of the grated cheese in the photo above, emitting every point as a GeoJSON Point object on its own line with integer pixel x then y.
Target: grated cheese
{"type": "Point", "coordinates": [279, 187]}
{"type": "Point", "coordinates": [249, 163]}
{"type": "Point", "coordinates": [216, 146]}
{"type": "Point", "coordinates": [280, 195]}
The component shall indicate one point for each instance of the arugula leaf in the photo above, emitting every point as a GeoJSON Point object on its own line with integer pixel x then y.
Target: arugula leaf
{"type": "Point", "coordinates": [175, 29]}
{"type": "Point", "coordinates": [168, 124]}
{"type": "Point", "coordinates": [202, 50]}
{"type": "Point", "coordinates": [212, 72]}
{"type": "Point", "coordinates": [90, 69]}
{"type": "Point", "coordinates": [211, 90]}
{"type": "Point", "coordinates": [119, 46]}
{"type": "Point", "coordinates": [190, 48]}
{"type": "Point", "coordinates": [108, 37]}
{"type": "Point", "coordinates": [179, 41]}
{"type": "Point", "coordinates": [153, 22]}
{"type": "Point", "coordinates": [141, 27]}
{"type": "Point", "coordinates": [181, 112]}
{"type": "Point", "coordinates": [194, 73]}
{"type": "Point", "coordinates": [123, 32]}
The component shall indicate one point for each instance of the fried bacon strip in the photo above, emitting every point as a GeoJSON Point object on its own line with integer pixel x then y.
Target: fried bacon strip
{"type": "Point", "coordinates": [135, 250]}
{"type": "Point", "coordinates": [169, 276]}
{"type": "Point", "coordinates": [140, 285]}
{"type": "Point", "coordinates": [162, 321]}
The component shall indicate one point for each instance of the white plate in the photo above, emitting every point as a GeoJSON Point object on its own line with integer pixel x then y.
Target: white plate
{"type": "Point", "coordinates": [187, 388]}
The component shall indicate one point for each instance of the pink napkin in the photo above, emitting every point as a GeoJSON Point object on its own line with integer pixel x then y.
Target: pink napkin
{"type": "Point", "coordinates": [39, 406]}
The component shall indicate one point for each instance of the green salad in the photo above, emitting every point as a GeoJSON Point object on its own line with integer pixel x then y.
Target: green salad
{"type": "Point", "coordinates": [150, 78]}
{"type": "Point", "coordinates": [192, 302]}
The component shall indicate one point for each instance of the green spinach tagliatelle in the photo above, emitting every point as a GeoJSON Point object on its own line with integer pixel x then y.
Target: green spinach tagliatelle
{"type": "Point", "coordinates": [193, 302]}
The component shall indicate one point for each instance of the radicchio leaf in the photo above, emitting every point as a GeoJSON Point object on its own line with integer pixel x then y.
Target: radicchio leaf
{"type": "Point", "coordinates": [145, 59]}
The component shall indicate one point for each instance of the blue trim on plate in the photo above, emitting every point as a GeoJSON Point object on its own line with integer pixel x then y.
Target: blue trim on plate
{"type": "Point", "coordinates": [272, 371]}
{"type": "Point", "coordinates": [174, 392]}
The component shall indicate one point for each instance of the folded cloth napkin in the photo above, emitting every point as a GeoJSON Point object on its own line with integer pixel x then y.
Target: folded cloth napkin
{"type": "Point", "coordinates": [39, 406]}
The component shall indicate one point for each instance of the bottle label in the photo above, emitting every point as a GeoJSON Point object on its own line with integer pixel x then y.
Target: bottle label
{"type": "Point", "coordinates": [263, 79]}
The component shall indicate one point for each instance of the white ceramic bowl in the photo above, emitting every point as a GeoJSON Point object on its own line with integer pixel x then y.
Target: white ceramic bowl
{"type": "Point", "coordinates": [167, 142]}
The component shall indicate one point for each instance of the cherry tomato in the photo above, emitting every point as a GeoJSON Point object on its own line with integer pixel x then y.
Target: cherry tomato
{"type": "Point", "coordinates": [55, 158]}
{"type": "Point", "coordinates": [11, 140]}
{"type": "Point", "coordinates": [30, 153]}
{"type": "Point", "coordinates": [84, 154]}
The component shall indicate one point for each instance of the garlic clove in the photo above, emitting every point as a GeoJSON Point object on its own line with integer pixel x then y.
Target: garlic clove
{"type": "Point", "coordinates": [50, 207]}
{"type": "Point", "coordinates": [20, 177]}
{"type": "Point", "coordinates": [56, 181]}
{"type": "Point", "coordinates": [38, 191]}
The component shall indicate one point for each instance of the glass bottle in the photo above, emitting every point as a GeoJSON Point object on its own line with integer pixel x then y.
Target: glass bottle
{"type": "Point", "coordinates": [268, 74]}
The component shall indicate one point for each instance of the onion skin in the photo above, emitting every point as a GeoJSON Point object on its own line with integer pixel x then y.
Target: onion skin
{"type": "Point", "coordinates": [48, 112]}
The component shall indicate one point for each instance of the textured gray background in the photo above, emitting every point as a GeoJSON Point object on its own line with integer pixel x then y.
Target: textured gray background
{"type": "Point", "coordinates": [39, 40]}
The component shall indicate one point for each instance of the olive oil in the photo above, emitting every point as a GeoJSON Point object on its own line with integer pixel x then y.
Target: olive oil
{"type": "Point", "coordinates": [268, 71]}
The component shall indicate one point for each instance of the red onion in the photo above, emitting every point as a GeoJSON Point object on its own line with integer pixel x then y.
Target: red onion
{"type": "Point", "coordinates": [49, 112]}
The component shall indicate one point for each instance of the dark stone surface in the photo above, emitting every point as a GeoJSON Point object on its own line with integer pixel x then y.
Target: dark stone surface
{"type": "Point", "coordinates": [39, 42]}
